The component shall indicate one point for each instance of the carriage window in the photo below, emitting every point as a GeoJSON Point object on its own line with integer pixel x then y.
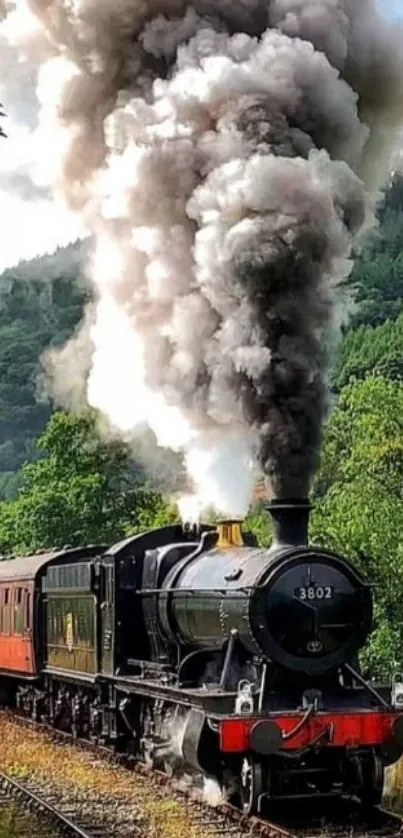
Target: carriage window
{"type": "Point", "coordinates": [19, 611]}
{"type": "Point", "coordinates": [28, 611]}
{"type": "Point", "coordinates": [5, 611]}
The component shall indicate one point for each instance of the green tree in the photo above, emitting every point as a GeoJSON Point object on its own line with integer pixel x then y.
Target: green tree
{"type": "Point", "coordinates": [367, 349]}
{"type": "Point", "coordinates": [41, 303]}
{"type": "Point", "coordinates": [377, 278]}
{"type": "Point", "coordinates": [84, 490]}
{"type": "Point", "coordinates": [378, 282]}
{"type": "Point", "coordinates": [359, 501]}
{"type": "Point", "coordinates": [258, 521]}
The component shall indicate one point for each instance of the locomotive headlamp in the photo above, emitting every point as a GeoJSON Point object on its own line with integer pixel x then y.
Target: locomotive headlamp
{"type": "Point", "coordinates": [397, 690]}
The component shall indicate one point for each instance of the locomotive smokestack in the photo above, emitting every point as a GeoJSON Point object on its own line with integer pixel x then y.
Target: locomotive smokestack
{"type": "Point", "coordinates": [290, 521]}
{"type": "Point", "coordinates": [230, 534]}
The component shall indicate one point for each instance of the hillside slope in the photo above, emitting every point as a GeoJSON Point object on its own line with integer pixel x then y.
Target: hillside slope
{"type": "Point", "coordinates": [41, 303]}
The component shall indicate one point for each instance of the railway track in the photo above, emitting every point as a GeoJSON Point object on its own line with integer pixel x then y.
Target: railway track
{"type": "Point", "coordinates": [59, 815]}
{"type": "Point", "coordinates": [340, 820]}
{"type": "Point", "coordinates": [215, 820]}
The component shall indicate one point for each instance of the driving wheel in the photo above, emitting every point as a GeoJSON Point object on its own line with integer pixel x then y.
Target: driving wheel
{"type": "Point", "coordinates": [251, 785]}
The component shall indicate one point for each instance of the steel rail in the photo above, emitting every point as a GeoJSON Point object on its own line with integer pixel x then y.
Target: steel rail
{"type": "Point", "coordinates": [14, 788]}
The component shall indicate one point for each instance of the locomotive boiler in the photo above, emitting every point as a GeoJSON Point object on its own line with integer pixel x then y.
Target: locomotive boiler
{"type": "Point", "coordinates": [302, 608]}
{"type": "Point", "coordinates": [199, 651]}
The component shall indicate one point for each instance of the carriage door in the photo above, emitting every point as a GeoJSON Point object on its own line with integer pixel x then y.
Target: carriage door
{"type": "Point", "coordinates": [108, 618]}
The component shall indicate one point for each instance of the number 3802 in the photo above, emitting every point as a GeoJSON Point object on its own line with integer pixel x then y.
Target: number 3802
{"type": "Point", "coordinates": [315, 593]}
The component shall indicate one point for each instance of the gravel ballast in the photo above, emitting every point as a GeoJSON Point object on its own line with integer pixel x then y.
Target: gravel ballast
{"type": "Point", "coordinates": [128, 803]}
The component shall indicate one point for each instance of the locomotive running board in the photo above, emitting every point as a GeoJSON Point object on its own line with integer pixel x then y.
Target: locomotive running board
{"type": "Point", "coordinates": [220, 702]}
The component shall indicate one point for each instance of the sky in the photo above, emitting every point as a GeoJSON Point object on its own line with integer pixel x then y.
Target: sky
{"type": "Point", "coordinates": [31, 221]}
{"type": "Point", "coordinates": [393, 8]}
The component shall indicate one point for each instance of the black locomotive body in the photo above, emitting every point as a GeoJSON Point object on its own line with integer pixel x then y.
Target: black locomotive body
{"type": "Point", "coordinates": [197, 650]}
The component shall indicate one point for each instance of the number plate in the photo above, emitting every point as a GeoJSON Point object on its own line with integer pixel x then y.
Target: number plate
{"type": "Point", "coordinates": [314, 593]}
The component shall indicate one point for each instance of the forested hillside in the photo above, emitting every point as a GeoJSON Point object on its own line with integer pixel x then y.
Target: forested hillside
{"type": "Point", "coordinates": [41, 303]}
{"type": "Point", "coordinates": [373, 337]}
{"type": "Point", "coordinates": [378, 272]}
{"type": "Point", "coordinates": [100, 492]}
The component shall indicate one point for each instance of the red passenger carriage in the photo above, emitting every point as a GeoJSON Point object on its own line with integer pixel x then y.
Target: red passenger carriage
{"type": "Point", "coordinates": [17, 597]}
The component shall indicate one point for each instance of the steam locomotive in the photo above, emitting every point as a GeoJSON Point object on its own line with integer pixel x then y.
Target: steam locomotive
{"type": "Point", "coordinates": [198, 651]}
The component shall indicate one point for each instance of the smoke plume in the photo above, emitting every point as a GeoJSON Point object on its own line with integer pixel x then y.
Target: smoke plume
{"type": "Point", "coordinates": [225, 155]}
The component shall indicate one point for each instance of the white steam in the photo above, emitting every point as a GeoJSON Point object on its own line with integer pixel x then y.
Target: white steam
{"type": "Point", "coordinates": [212, 793]}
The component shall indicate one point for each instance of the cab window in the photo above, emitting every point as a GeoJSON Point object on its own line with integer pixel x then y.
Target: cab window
{"type": "Point", "coordinates": [28, 611]}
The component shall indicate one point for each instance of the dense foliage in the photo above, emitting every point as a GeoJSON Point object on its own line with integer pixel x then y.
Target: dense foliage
{"type": "Point", "coordinates": [377, 278]}
{"type": "Point", "coordinates": [41, 303]}
{"type": "Point", "coordinates": [369, 349]}
{"type": "Point", "coordinates": [84, 489]}
{"type": "Point", "coordinates": [359, 500]}
{"type": "Point", "coordinates": [77, 486]}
